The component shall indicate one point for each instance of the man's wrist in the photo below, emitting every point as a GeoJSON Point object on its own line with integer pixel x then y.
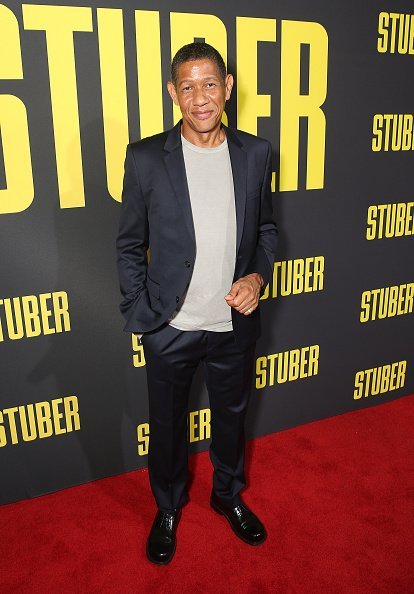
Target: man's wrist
{"type": "Point", "coordinates": [258, 277]}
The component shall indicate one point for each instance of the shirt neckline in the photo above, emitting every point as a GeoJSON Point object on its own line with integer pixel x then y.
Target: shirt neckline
{"type": "Point", "coordinates": [201, 149]}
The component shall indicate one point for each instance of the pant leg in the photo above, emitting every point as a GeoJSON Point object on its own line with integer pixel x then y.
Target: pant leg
{"type": "Point", "coordinates": [229, 373]}
{"type": "Point", "coordinates": [172, 357]}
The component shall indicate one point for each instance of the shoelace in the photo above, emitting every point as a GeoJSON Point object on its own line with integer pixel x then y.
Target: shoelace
{"type": "Point", "coordinates": [168, 520]}
{"type": "Point", "coordinates": [242, 513]}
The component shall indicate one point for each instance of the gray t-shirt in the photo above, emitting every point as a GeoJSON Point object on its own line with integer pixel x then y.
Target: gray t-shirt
{"type": "Point", "coordinates": [210, 183]}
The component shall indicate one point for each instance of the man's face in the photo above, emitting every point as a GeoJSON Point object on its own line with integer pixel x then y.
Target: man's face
{"type": "Point", "coordinates": [201, 94]}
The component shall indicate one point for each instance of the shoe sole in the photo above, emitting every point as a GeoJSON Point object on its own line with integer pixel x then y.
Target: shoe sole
{"type": "Point", "coordinates": [161, 562]}
{"type": "Point", "coordinates": [221, 513]}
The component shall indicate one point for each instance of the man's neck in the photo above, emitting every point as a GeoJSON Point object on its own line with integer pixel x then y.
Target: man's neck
{"type": "Point", "coordinates": [209, 139]}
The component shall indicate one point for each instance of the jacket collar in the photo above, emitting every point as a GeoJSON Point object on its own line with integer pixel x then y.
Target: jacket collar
{"type": "Point", "coordinates": [174, 161]}
{"type": "Point", "coordinates": [173, 140]}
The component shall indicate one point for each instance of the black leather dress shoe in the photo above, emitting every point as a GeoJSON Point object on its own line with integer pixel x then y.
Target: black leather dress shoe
{"type": "Point", "coordinates": [161, 542]}
{"type": "Point", "coordinates": [245, 524]}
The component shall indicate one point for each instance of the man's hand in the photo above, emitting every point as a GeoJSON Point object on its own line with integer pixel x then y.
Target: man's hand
{"type": "Point", "coordinates": [244, 293]}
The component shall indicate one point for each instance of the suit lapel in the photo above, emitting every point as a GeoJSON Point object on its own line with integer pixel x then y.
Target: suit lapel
{"type": "Point", "coordinates": [174, 161]}
{"type": "Point", "coordinates": [238, 158]}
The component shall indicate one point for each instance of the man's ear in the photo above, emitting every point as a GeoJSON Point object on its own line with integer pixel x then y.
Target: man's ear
{"type": "Point", "coordinates": [172, 92]}
{"type": "Point", "coordinates": [229, 85]}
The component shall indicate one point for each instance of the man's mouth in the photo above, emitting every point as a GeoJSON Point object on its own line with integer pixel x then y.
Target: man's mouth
{"type": "Point", "coordinates": [202, 115]}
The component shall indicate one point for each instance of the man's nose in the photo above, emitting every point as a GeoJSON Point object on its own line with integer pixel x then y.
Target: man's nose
{"type": "Point", "coordinates": [200, 97]}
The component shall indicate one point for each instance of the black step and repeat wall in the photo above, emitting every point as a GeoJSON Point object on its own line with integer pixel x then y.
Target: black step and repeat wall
{"type": "Point", "coordinates": [330, 84]}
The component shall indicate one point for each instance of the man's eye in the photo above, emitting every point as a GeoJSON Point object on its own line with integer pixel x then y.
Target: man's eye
{"type": "Point", "coordinates": [211, 85]}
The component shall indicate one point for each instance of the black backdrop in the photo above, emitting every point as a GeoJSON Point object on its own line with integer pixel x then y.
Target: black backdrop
{"type": "Point", "coordinates": [88, 373]}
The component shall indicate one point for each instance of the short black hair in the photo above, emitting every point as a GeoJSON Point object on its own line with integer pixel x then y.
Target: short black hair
{"type": "Point", "coordinates": [197, 50]}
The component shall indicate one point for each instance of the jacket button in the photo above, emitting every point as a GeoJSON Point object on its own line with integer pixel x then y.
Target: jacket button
{"type": "Point", "coordinates": [187, 263]}
{"type": "Point", "coordinates": [177, 299]}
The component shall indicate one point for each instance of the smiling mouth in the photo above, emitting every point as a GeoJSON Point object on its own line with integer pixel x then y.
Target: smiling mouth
{"type": "Point", "coordinates": [202, 115]}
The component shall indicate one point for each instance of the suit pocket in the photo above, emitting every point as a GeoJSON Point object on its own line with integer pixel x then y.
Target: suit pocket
{"type": "Point", "coordinates": [153, 287]}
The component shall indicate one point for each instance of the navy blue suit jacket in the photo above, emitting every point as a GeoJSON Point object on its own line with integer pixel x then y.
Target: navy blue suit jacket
{"type": "Point", "coordinates": [156, 214]}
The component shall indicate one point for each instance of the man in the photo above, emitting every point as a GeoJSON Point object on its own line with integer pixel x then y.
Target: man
{"type": "Point", "coordinates": [199, 197]}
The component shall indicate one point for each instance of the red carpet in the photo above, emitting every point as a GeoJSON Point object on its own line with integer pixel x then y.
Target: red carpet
{"type": "Point", "coordinates": [337, 497]}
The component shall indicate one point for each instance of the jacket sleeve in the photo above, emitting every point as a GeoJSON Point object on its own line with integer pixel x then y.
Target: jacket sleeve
{"type": "Point", "coordinates": [133, 237]}
{"type": "Point", "coordinates": [267, 230]}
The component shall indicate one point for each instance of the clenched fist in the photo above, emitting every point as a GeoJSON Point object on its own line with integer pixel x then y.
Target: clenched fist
{"type": "Point", "coordinates": [244, 293]}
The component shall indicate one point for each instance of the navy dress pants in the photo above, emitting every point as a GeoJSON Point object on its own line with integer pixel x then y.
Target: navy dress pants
{"type": "Point", "coordinates": [172, 357]}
